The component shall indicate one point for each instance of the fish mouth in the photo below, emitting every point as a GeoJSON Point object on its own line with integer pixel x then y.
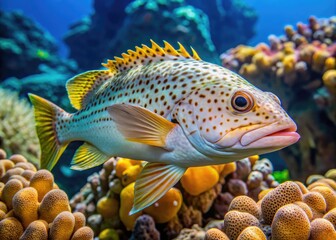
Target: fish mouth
{"type": "Point", "coordinates": [273, 136]}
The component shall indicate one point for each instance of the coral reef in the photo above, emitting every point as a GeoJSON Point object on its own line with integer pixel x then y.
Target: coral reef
{"type": "Point", "coordinates": [285, 213]}
{"type": "Point", "coordinates": [151, 19]}
{"type": "Point", "coordinates": [17, 128]}
{"type": "Point", "coordinates": [231, 21]}
{"type": "Point", "coordinates": [33, 207]}
{"type": "Point", "coordinates": [299, 67]}
{"type": "Point", "coordinates": [174, 20]}
{"type": "Point", "coordinates": [202, 195]}
{"type": "Point", "coordinates": [25, 46]}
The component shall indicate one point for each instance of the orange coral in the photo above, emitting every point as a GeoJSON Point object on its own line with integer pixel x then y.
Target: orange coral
{"type": "Point", "coordinates": [250, 233]}
{"type": "Point", "coordinates": [84, 233]}
{"type": "Point", "coordinates": [11, 229]}
{"type": "Point", "coordinates": [53, 203]}
{"type": "Point", "coordinates": [126, 203]}
{"type": "Point", "coordinates": [108, 207]}
{"type": "Point", "coordinates": [25, 205]}
{"type": "Point", "coordinates": [166, 207]}
{"type": "Point", "coordinates": [245, 204]}
{"type": "Point", "coordinates": [43, 182]}
{"type": "Point", "coordinates": [235, 222]}
{"type": "Point", "coordinates": [194, 184]}
{"type": "Point", "coordinates": [35, 230]}
{"type": "Point", "coordinates": [215, 234]}
{"type": "Point", "coordinates": [328, 194]}
{"type": "Point", "coordinates": [285, 193]}
{"type": "Point", "coordinates": [331, 216]}
{"type": "Point", "coordinates": [322, 229]}
{"type": "Point", "coordinates": [283, 227]}
{"type": "Point", "coordinates": [62, 226]}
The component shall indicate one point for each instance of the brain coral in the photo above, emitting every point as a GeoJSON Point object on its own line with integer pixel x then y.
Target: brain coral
{"type": "Point", "coordinates": [17, 128]}
{"type": "Point", "coordinates": [32, 207]}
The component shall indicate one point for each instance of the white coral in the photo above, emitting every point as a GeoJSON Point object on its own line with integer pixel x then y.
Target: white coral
{"type": "Point", "coordinates": [17, 126]}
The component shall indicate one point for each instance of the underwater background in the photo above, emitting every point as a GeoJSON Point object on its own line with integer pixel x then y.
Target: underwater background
{"type": "Point", "coordinates": [286, 47]}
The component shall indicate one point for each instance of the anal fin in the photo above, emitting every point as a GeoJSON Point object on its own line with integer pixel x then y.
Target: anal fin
{"type": "Point", "coordinates": [153, 182]}
{"type": "Point", "coordinates": [88, 156]}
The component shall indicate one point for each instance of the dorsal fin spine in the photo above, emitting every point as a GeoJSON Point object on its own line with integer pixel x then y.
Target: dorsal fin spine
{"type": "Point", "coordinates": [145, 54]}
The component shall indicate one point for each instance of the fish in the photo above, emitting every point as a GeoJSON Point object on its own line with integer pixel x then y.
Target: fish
{"type": "Point", "coordinates": [164, 106]}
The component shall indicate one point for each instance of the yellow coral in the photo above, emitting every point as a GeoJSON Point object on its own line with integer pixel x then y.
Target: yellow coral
{"type": "Point", "coordinates": [285, 193]}
{"type": "Point", "coordinates": [84, 233]}
{"type": "Point", "coordinates": [329, 80]}
{"type": "Point", "coordinates": [245, 204]}
{"type": "Point", "coordinates": [11, 229]}
{"type": "Point", "coordinates": [166, 207]}
{"type": "Point", "coordinates": [331, 216]}
{"type": "Point", "coordinates": [229, 168]}
{"type": "Point", "coordinates": [130, 174]}
{"type": "Point", "coordinates": [109, 234]}
{"type": "Point", "coordinates": [62, 226]}
{"type": "Point", "coordinates": [253, 159]}
{"type": "Point", "coordinates": [197, 180]}
{"type": "Point", "coordinates": [126, 203]}
{"type": "Point", "coordinates": [43, 182]}
{"type": "Point", "coordinates": [322, 229]}
{"type": "Point", "coordinates": [305, 208]}
{"type": "Point", "coordinates": [235, 222]}
{"type": "Point", "coordinates": [35, 230]}
{"type": "Point", "coordinates": [331, 174]}
{"type": "Point", "coordinates": [316, 202]}
{"type": "Point", "coordinates": [283, 227]}
{"type": "Point", "coordinates": [53, 203]}
{"type": "Point", "coordinates": [10, 189]}
{"type": "Point", "coordinates": [123, 164]}
{"type": "Point", "coordinates": [79, 220]}
{"type": "Point", "coordinates": [108, 207]}
{"type": "Point", "coordinates": [252, 232]}
{"type": "Point", "coordinates": [215, 234]}
{"type": "Point", "coordinates": [25, 205]}
{"type": "Point", "coordinates": [328, 194]}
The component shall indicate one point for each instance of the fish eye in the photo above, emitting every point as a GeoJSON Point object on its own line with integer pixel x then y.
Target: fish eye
{"type": "Point", "coordinates": [242, 102]}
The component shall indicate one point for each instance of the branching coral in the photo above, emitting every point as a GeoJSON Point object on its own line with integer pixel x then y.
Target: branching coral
{"type": "Point", "coordinates": [299, 67]}
{"type": "Point", "coordinates": [17, 129]}
{"type": "Point", "coordinates": [32, 206]}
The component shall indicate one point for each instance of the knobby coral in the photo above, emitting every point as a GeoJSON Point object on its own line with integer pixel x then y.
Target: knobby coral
{"type": "Point", "coordinates": [299, 67]}
{"type": "Point", "coordinates": [32, 206]}
{"type": "Point", "coordinates": [108, 197]}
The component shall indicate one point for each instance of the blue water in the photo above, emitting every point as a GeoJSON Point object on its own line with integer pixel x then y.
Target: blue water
{"type": "Point", "coordinates": [56, 15]}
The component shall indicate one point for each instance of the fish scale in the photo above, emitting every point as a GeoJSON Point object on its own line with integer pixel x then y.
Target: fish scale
{"type": "Point", "coordinates": [166, 107]}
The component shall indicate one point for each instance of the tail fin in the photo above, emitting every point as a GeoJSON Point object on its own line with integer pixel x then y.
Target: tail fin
{"type": "Point", "coordinates": [45, 118]}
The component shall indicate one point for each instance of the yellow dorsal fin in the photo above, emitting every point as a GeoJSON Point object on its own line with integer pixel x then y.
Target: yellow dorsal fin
{"type": "Point", "coordinates": [81, 87]}
{"type": "Point", "coordinates": [144, 55]}
{"type": "Point", "coordinates": [183, 51]}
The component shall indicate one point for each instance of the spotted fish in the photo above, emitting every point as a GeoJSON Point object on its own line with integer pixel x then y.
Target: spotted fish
{"type": "Point", "coordinates": [164, 106]}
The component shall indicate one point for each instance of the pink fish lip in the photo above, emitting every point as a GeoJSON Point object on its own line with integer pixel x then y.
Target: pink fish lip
{"type": "Point", "coordinates": [273, 135]}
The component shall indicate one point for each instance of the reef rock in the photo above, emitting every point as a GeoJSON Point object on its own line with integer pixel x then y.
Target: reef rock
{"type": "Point", "coordinates": [24, 46]}
{"type": "Point", "coordinates": [299, 67]}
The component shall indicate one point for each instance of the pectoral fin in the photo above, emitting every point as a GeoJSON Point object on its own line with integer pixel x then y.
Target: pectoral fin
{"type": "Point", "coordinates": [153, 182]}
{"type": "Point", "coordinates": [138, 124]}
{"type": "Point", "coordinates": [88, 156]}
